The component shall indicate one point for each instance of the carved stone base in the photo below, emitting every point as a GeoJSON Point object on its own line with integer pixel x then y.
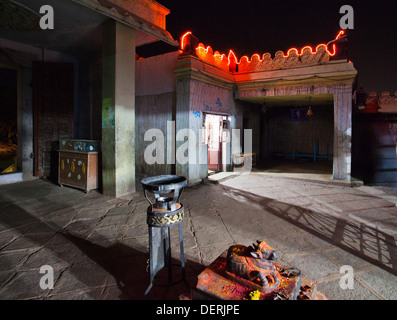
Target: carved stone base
{"type": "Point", "coordinates": [217, 283]}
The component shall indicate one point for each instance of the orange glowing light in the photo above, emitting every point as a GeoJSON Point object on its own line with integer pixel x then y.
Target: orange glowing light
{"type": "Point", "coordinates": [232, 58]}
{"type": "Point", "coordinates": [342, 32]}
{"type": "Point", "coordinates": [219, 55]}
{"type": "Point", "coordinates": [183, 39]}
{"type": "Point", "coordinates": [202, 48]}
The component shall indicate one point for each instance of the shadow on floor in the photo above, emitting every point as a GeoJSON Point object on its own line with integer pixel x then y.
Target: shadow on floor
{"type": "Point", "coordinates": [356, 238]}
{"type": "Point", "coordinates": [128, 267]}
{"type": "Point", "coordinates": [125, 264]}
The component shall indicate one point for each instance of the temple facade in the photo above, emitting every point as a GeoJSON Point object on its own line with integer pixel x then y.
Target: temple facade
{"type": "Point", "coordinates": [246, 96]}
{"type": "Point", "coordinates": [181, 109]}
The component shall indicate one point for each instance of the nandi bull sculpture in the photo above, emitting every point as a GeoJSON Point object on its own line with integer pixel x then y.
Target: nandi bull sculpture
{"type": "Point", "coordinates": [255, 264]}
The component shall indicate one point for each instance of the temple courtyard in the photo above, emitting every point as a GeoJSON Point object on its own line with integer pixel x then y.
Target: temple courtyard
{"type": "Point", "coordinates": [97, 246]}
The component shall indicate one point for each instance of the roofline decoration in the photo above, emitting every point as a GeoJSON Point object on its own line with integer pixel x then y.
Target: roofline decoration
{"type": "Point", "coordinates": [294, 58]}
{"type": "Point", "coordinates": [385, 103]}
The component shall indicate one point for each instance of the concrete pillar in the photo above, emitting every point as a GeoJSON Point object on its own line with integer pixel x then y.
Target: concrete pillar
{"type": "Point", "coordinates": [118, 109]}
{"type": "Point", "coordinates": [182, 121]}
{"type": "Point", "coordinates": [342, 132]}
{"type": "Point", "coordinates": [190, 152]}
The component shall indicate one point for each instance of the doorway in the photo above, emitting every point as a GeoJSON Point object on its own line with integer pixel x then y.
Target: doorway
{"type": "Point", "coordinates": [213, 127]}
{"type": "Point", "coordinates": [8, 120]}
{"type": "Point", "coordinates": [216, 131]}
{"type": "Point", "coordinates": [53, 92]}
{"type": "Point", "coordinates": [295, 140]}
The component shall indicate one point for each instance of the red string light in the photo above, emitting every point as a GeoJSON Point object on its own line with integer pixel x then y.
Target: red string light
{"type": "Point", "coordinates": [183, 39]}
{"type": "Point", "coordinates": [233, 58]}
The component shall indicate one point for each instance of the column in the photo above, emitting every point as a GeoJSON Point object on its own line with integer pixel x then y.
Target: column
{"type": "Point", "coordinates": [182, 121]}
{"type": "Point", "coordinates": [118, 109]}
{"type": "Point", "coordinates": [342, 132]}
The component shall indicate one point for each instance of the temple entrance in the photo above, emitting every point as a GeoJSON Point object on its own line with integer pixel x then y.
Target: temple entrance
{"type": "Point", "coordinates": [297, 135]}
{"type": "Point", "coordinates": [8, 120]}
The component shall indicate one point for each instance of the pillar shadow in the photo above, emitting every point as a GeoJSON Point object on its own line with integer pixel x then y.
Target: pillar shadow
{"type": "Point", "coordinates": [359, 239]}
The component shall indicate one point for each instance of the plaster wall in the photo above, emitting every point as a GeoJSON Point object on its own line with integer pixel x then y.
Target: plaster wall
{"type": "Point", "coordinates": [155, 109]}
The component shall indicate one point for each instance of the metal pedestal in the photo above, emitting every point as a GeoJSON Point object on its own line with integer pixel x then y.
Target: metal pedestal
{"type": "Point", "coordinates": [162, 214]}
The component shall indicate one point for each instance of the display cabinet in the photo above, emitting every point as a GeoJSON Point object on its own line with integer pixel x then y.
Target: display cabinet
{"type": "Point", "coordinates": [79, 163]}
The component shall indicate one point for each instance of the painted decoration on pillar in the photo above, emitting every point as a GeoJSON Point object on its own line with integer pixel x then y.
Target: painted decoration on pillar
{"type": "Point", "coordinates": [218, 104]}
{"type": "Point", "coordinates": [197, 114]}
{"type": "Point", "coordinates": [107, 113]}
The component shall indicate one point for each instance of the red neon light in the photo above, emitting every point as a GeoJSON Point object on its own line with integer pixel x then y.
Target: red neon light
{"type": "Point", "coordinates": [232, 58]}
{"type": "Point", "coordinates": [342, 32]}
{"type": "Point", "coordinates": [183, 39]}
{"type": "Point", "coordinates": [311, 49]}
{"type": "Point", "coordinates": [219, 55]}
{"type": "Point", "coordinates": [202, 48]}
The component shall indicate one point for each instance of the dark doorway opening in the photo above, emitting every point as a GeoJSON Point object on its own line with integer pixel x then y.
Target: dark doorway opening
{"type": "Point", "coordinates": [53, 103]}
{"type": "Point", "coordinates": [298, 139]}
{"type": "Point", "coordinates": [8, 120]}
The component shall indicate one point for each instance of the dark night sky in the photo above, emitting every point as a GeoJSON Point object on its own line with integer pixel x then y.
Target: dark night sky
{"type": "Point", "coordinates": [250, 27]}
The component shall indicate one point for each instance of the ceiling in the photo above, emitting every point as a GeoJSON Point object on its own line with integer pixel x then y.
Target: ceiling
{"type": "Point", "coordinates": [77, 28]}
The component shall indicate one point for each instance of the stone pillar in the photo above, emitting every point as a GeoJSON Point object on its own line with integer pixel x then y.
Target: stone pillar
{"type": "Point", "coordinates": [342, 132]}
{"type": "Point", "coordinates": [182, 121]}
{"type": "Point", "coordinates": [118, 109]}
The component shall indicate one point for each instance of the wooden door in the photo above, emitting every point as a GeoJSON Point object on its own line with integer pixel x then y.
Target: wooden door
{"type": "Point", "coordinates": [53, 103]}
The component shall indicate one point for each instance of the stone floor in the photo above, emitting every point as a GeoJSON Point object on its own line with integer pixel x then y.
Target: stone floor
{"type": "Point", "coordinates": [98, 246]}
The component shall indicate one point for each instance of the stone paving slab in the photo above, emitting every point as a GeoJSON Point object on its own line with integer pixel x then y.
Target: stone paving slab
{"type": "Point", "coordinates": [98, 245]}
